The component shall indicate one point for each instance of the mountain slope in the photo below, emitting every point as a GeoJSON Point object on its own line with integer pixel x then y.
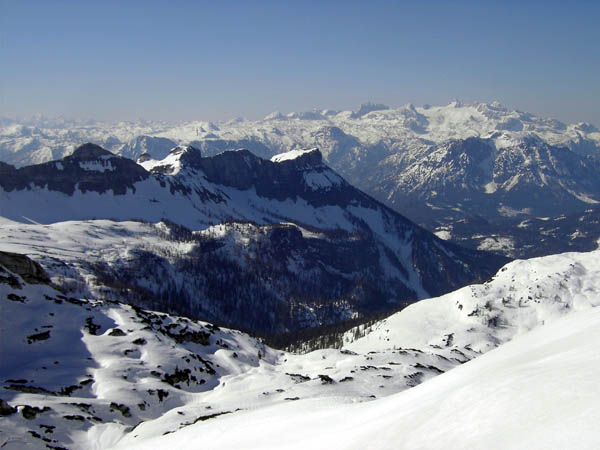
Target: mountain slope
{"type": "Point", "coordinates": [93, 363]}
{"type": "Point", "coordinates": [517, 237]}
{"type": "Point", "coordinates": [536, 392]}
{"type": "Point", "coordinates": [537, 322]}
{"type": "Point", "coordinates": [69, 364]}
{"type": "Point", "coordinates": [474, 177]}
{"type": "Point", "coordinates": [267, 246]}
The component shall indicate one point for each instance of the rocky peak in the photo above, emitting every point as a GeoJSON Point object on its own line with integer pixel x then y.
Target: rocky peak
{"type": "Point", "coordinates": [89, 168]}
{"type": "Point", "coordinates": [299, 173]}
{"type": "Point", "coordinates": [236, 168]}
{"type": "Point", "coordinates": [89, 151]}
{"type": "Point", "coordinates": [190, 156]}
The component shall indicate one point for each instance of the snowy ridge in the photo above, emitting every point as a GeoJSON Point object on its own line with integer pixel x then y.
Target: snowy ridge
{"type": "Point", "coordinates": [512, 397]}
{"type": "Point", "coordinates": [523, 295]}
{"type": "Point", "coordinates": [170, 164]}
{"type": "Point", "coordinates": [537, 392]}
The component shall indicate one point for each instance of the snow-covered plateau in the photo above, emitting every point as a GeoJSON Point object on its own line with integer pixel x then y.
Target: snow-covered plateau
{"type": "Point", "coordinates": [510, 363]}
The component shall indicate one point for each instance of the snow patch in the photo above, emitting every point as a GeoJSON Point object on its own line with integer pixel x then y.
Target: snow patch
{"type": "Point", "coordinates": [443, 234]}
{"type": "Point", "coordinates": [497, 243]}
{"type": "Point", "coordinates": [507, 211]}
{"type": "Point", "coordinates": [293, 154]}
{"type": "Point", "coordinates": [490, 188]}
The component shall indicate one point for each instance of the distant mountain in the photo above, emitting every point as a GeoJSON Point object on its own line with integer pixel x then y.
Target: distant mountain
{"type": "Point", "coordinates": [462, 178]}
{"type": "Point", "coordinates": [433, 164]}
{"type": "Point", "coordinates": [404, 130]}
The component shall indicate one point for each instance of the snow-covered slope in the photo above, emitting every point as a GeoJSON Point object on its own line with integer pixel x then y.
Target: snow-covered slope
{"type": "Point", "coordinates": [523, 295]}
{"type": "Point", "coordinates": [538, 320]}
{"type": "Point", "coordinates": [87, 374]}
{"type": "Point", "coordinates": [474, 177]}
{"type": "Point", "coordinates": [537, 392]}
{"type": "Point", "coordinates": [68, 363]}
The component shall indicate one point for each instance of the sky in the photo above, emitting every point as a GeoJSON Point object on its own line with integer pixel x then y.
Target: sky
{"type": "Point", "coordinates": [200, 60]}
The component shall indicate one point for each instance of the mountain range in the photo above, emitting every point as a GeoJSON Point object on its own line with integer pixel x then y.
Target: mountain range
{"type": "Point", "coordinates": [434, 165]}
{"type": "Point", "coordinates": [269, 246]}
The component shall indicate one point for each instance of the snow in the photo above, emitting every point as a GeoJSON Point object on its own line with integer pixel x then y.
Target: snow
{"type": "Point", "coordinates": [170, 161]}
{"type": "Point", "coordinates": [407, 126]}
{"type": "Point", "coordinates": [293, 154]}
{"type": "Point", "coordinates": [581, 196]}
{"type": "Point", "coordinates": [490, 188]}
{"type": "Point", "coordinates": [537, 324]}
{"type": "Point", "coordinates": [444, 234]}
{"type": "Point", "coordinates": [507, 211]}
{"type": "Point", "coordinates": [523, 295]}
{"type": "Point", "coordinates": [497, 244]}
{"type": "Point", "coordinates": [536, 392]}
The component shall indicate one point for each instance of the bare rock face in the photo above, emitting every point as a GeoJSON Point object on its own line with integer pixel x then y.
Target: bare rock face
{"type": "Point", "coordinates": [305, 177]}
{"type": "Point", "coordinates": [144, 157]}
{"type": "Point", "coordinates": [89, 168]}
{"type": "Point", "coordinates": [6, 409]}
{"type": "Point", "coordinates": [88, 152]}
{"type": "Point", "coordinates": [27, 269]}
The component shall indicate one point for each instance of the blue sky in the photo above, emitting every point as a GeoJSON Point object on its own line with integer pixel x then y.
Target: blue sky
{"type": "Point", "coordinates": [223, 59]}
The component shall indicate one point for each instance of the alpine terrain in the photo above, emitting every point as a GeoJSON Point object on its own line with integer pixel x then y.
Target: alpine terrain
{"type": "Point", "coordinates": [94, 374]}
{"type": "Point", "coordinates": [270, 246]}
{"type": "Point", "coordinates": [437, 165]}
{"type": "Point", "coordinates": [327, 279]}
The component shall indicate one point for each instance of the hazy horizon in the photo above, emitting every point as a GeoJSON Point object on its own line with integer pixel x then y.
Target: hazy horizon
{"type": "Point", "coordinates": [114, 61]}
{"type": "Point", "coordinates": [39, 116]}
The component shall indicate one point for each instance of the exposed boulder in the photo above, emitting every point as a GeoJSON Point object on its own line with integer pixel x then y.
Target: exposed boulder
{"type": "Point", "coordinates": [27, 269]}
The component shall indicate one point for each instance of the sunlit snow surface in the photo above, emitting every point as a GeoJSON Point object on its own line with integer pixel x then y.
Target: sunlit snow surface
{"type": "Point", "coordinates": [291, 155]}
{"type": "Point", "coordinates": [537, 390]}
